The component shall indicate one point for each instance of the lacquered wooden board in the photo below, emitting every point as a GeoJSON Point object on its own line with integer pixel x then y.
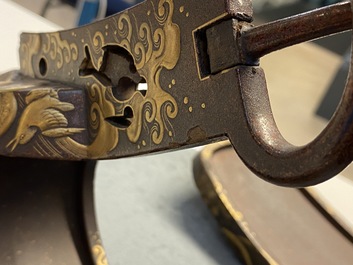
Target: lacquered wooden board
{"type": "Point", "coordinates": [266, 224]}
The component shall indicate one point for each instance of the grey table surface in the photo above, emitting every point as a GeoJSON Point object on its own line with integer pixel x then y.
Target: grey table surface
{"type": "Point", "coordinates": [149, 211]}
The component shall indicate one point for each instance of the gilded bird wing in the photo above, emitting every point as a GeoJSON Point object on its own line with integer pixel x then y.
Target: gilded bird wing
{"type": "Point", "coordinates": [35, 94]}
{"type": "Point", "coordinates": [51, 118]}
{"type": "Point", "coordinates": [62, 132]}
{"type": "Point", "coordinates": [63, 106]}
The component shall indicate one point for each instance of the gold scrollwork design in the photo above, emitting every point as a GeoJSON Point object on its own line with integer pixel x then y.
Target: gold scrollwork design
{"type": "Point", "coordinates": [152, 51]}
{"type": "Point", "coordinates": [50, 45]}
{"type": "Point", "coordinates": [30, 46]}
{"type": "Point", "coordinates": [123, 30]}
{"type": "Point", "coordinates": [100, 255]}
{"type": "Point", "coordinates": [154, 44]}
{"type": "Point", "coordinates": [100, 108]}
{"type": "Point", "coordinates": [60, 50]}
{"type": "Point", "coordinates": [97, 44]}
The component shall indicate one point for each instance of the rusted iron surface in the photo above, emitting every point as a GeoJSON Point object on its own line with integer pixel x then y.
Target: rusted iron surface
{"type": "Point", "coordinates": [261, 40]}
{"type": "Point", "coordinates": [77, 95]}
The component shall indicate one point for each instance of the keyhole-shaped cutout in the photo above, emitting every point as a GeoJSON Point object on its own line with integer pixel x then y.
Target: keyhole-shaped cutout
{"type": "Point", "coordinates": [127, 87]}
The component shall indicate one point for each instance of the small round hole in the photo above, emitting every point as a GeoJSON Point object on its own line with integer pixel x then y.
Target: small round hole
{"type": "Point", "coordinates": [125, 89]}
{"type": "Point", "coordinates": [43, 67]}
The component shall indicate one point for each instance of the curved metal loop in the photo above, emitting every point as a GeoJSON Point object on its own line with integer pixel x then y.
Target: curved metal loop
{"type": "Point", "coordinates": [263, 149]}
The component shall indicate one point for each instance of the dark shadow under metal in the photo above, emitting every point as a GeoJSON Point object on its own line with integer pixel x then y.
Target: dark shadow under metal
{"type": "Point", "coordinates": [46, 211]}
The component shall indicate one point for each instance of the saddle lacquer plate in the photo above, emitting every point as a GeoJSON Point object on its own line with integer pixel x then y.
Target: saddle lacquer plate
{"type": "Point", "coordinates": [267, 224]}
